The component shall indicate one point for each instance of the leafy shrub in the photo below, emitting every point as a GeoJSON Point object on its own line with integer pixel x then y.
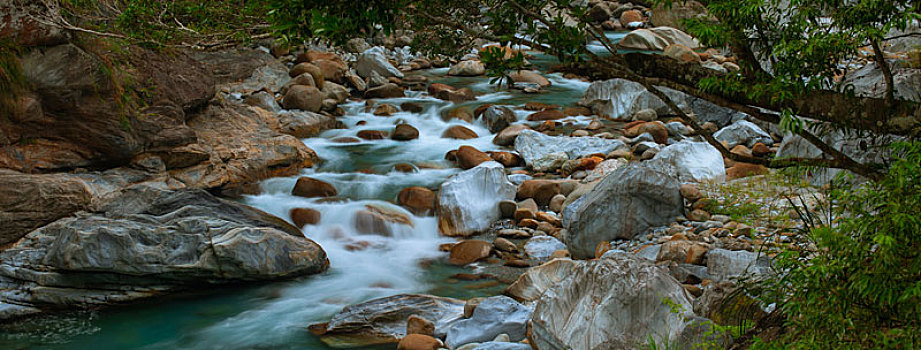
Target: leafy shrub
{"type": "Point", "coordinates": [861, 286]}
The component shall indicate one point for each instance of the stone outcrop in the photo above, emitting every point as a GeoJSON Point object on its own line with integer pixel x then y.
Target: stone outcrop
{"type": "Point", "coordinates": [539, 150]}
{"type": "Point", "coordinates": [616, 302]}
{"type": "Point", "coordinates": [628, 201]}
{"type": "Point", "coordinates": [144, 241]}
{"type": "Point", "coordinates": [621, 99]}
{"type": "Point", "coordinates": [468, 202]}
{"type": "Point", "coordinates": [383, 321]}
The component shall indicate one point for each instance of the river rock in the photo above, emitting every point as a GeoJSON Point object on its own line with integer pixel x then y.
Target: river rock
{"type": "Point", "coordinates": [681, 53]}
{"type": "Point", "coordinates": [469, 157]}
{"type": "Point", "coordinates": [383, 320]}
{"type": "Point", "coordinates": [542, 247]}
{"type": "Point", "coordinates": [419, 200]}
{"type": "Point", "coordinates": [388, 90]}
{"type": "Point", "coordinates": [304, 216]}
{"type": "Point", "coordinates": [450, 93]}
{"type": "Point", "coordinates": [497, 118]}
{"type": "Point", "coordinates": [529, 76]}
{"type": "Point", "coordinates": [536, 280]}
{"type": "Point", "coordinates": [539, 190]}
{"type": "Point", "coordinates": [372, 61]}
{"type": "Point", "coordinates": [507, 159]}
{"type": "Point", "coordinates": [468, 68]}
{"type": "Point", "coordinates": [303, 124]}
{"type": "Point", "coordinates": [418, 342]}
{"type": "Point", "coordinates": [459, 132]}
{"type": "Point", "coordinates": [743, 132]}
{"type": "Point", "coordinates": [310, 69]}
{"type": "Point", "coordinates": [546, 114]}
{"type": "Point", "coordinates": [536, 148]}
{"type": "Point", "coordinates": [492, 317]}
{"type": "Point", "coordinates": [306, 98]}
{"type": "Point", "coordinates": [404, 132]}
{"type": "Point", "coordinates": [615, 302]}
{"type": "Point", "coordinates": [695, 161]}
{"type": "Point", "coordinates": [621, 99]}
{"type": "Point", "coordinates": [309, 187]}
{"type": "Point", "coordinates": [724, 265]}
{"type": "Point", "coordinates": [630, 200]}
{"type": "Point", "coordinates": [507, 136]}
{"type": "Point", "coordinates": [657, 39]}
{"type": "Point", "coordinates": [382, 219]}
{"type": "Point", "coordinates": [469, 251]}
{"type": "Point", "coordinates": [469, 202]}
{"type": "Point", "coordinates": [142, 241]}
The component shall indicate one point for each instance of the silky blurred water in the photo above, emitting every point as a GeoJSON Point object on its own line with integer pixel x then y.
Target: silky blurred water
{"type": "Point", "coordinates": [275, 316]}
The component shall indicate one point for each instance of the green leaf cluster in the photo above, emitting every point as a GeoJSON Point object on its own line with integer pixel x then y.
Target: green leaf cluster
{"type": "Point", "coordinates": [861, 287]}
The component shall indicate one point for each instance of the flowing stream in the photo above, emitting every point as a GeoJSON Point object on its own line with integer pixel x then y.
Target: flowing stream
{"type": "Point", "coordinates": [275, 316]}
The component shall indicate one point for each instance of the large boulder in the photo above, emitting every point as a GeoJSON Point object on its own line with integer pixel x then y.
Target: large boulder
{"type": "Point", "coordinates": [625, 203]}
{"type": "Point", "coordinates": [617, 302]}
{"type": "Point", "coordinates": [383, 320]}
{"type": "Point", "coordinates": [469, 202]}
{"type": "Point", "coordinates": [143, 241]}
{"type": "Point", "coordinates": [468, 68]}
{"type": "Point", "coordinates": [540, 151]}
{"type": "Point", "coordinates": [656, 39]}
{"type": "Point", "coordinates": [371, 62]}
{"type": "Point", "coordinates": [493, 316]}
{"type": "Point", "coordinates": [303, 97]}
{"type": "Point", "coordinates": [621, 99]}
{"type": "Point", "coordinates": [695, 161]}
{"type": "Point", "coordinates": [743, 132]}
{"type": "Point", "coordinates": [862, 149]}
{"type": "Point", "coordinates": [724, 264]}
{"type": "Point", "coordinates": [869, 81]}
{"type": "Point", "coordinates": [537, 280]}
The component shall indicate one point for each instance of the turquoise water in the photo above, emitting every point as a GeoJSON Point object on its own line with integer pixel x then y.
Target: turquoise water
{"type": "Point", "coordinates": [275, 316]}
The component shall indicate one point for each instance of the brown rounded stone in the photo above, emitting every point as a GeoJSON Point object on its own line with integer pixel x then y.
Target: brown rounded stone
{"type": "Point", "coordinates": [304, 216]}
{"type": "Point", "coordinates": [310, 188]}
{"type": "Point", "coordinates": [310, 68]}
{"type": "Point", "coordinates": [760, 150]}
{"type": "Point", "coordinates": [418, 325]}
{"type": "Point", "coordinates": [469, 251]}
{"type": "Point", "coordinates": [372, 134]}
{"type": "Point", "coordinates": [418, 342]}
{"type": "Point", "coordinates": [405, 132]}
{"type": "Point", "coordinates": [547, 114]}
{"type": "Point", "coordinates": [507, 136]}
{"type": "Point", "coordinates": [507, 159]}
{"type": "Point", "coordinates": [303, 97]}
{"type": "Point", "coordinates": [385, 110]}
{"type": "Point", "coordinates": [419, 200]}
{"type": "Point", "coordinates": [540, 190]}
{"type": "Point", "coordinates": [740, 170]}
{"type": "Point", "coordinates": [656, 129]}
{"type": "Point", "coordinates": [469, 157]}
{"type": "Point", "coordinates": [459, 113]}
{"type": "Point", "coordinates": [459, 132]}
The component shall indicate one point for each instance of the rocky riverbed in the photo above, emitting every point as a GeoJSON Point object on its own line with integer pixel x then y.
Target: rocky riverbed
{"type": "Point", "coordinates": [368, 196]}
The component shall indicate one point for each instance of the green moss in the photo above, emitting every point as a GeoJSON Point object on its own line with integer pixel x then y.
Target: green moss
{"type": "Point", "coordinates": [12, 81]}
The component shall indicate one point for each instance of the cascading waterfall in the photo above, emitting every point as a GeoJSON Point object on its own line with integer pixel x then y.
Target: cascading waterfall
{"type": "Point", "coordinates": [362, 266]}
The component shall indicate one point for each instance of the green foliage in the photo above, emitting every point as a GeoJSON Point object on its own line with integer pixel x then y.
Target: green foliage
{"type": "Point", "coordinates": [12, 81]}
{"type": "Point", "coordinates": [861, 287]}
{"type": "Point", "coordinates": [806, 43]}
{"type": "Point", "coordinates": [155, 23]}
{"type": "Point", "coordinates": [336, 20]}
{"type": "Point", "coordinates": [499, 67]}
